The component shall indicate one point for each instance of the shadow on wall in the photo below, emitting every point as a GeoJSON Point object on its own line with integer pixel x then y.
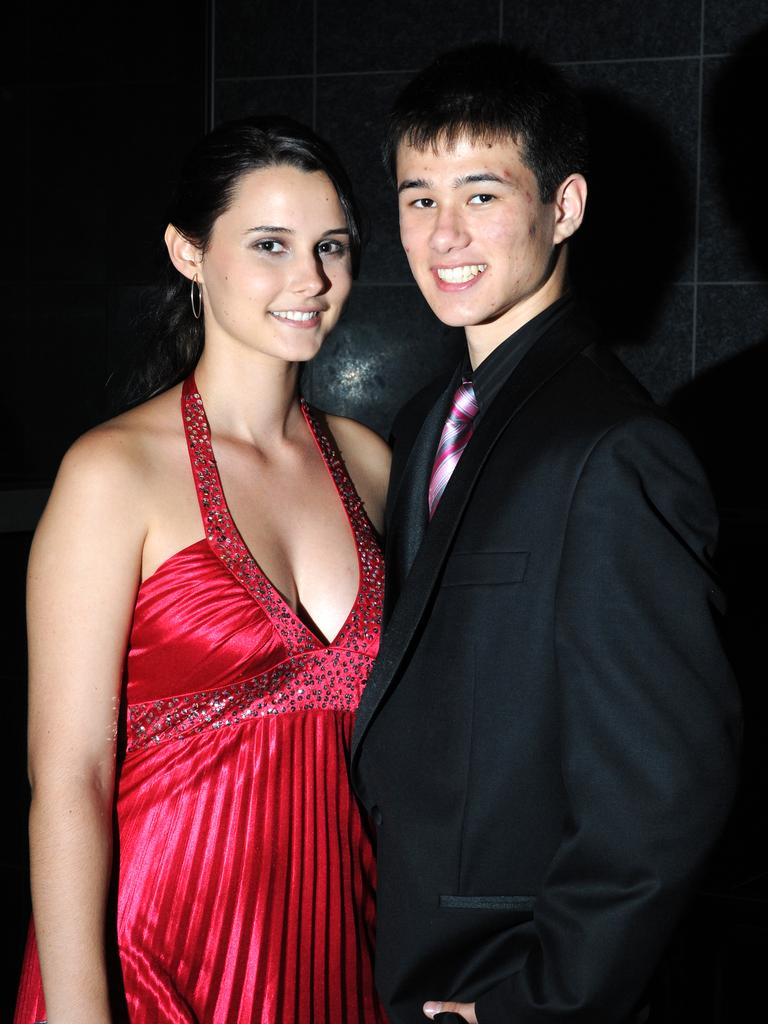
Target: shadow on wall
{"type": "Point", "coordinates": [724, 406]}
{"type": "Point", "coordinates": [723, 411]}
{"type": "Point", "coordinates": [633, 243]}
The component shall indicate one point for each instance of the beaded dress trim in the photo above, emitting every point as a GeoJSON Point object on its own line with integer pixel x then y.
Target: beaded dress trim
{"type": "Point", "coordinates": [315, 675]}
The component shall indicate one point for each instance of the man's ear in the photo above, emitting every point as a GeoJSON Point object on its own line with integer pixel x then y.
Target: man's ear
{"type": "Point", "coordinates": [570, 202]}
{"type": "Point", "coordinates": [185, 255]}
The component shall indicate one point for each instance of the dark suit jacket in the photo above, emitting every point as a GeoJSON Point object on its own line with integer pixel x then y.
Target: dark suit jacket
{"type": "Point", "coordinates": [548, 742]}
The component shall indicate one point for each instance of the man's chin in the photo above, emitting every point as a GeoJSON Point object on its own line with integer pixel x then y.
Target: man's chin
{"type": "Point", "coordinates": [452, 317]}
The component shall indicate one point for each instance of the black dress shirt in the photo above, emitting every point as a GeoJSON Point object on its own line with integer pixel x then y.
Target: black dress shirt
{"type": "Point", "coordinates": [490, 375]}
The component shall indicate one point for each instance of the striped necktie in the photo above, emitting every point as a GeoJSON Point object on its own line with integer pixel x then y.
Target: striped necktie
{"type": "Point", "coordinates": [456, 433]}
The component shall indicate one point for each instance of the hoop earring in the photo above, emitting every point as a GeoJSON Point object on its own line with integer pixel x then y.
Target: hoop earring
{"type": "Point", "coordinates": [197, 306]}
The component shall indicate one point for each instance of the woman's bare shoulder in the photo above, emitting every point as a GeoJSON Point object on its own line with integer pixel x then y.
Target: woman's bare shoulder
{"type": "Point", "coordinates": [120, 455]}
{"type": "Point", "coordinates": [356, 431]}
{"type": "Point", "coordinates": [359, 441]}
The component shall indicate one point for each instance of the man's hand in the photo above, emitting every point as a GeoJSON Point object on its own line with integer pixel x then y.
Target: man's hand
{"type": "Point", "coordinates": [465, 1010]}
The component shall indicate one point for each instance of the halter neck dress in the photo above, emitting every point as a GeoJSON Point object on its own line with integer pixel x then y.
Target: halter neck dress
{"type": "Point", "coordinates": [245, 868]}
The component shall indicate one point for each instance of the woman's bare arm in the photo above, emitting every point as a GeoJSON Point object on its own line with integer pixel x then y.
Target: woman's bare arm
{"type": "Point", "coordinates": [83, 575]}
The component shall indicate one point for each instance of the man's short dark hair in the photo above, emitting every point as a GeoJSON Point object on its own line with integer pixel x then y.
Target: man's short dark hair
{"type": "Point", "coordinates": [490, 92]}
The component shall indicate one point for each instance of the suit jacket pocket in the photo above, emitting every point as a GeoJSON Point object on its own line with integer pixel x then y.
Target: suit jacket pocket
{"type": "Point", "coordinates": [485, 568]}
{"type": "Point", "coordinates": [520, 904]}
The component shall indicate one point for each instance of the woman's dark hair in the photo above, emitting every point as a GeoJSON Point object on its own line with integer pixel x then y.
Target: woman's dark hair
{"type": "Point", "coordinates": [210, 174]}
{"type": "Point", "coordinates": [490, 92]}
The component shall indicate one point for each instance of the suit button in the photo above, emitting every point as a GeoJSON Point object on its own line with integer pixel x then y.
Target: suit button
{"type": "Point", "coordinates": [376, 815]}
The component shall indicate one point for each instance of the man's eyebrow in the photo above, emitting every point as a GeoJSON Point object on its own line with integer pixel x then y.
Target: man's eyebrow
{"type": "Point", "coordinates": [469, 179]}
{"type": "Point", "coordinates": [465, 179]}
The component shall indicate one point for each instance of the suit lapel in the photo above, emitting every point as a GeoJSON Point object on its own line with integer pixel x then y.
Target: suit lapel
{"type": "Point", "coordinates": [556, 348]}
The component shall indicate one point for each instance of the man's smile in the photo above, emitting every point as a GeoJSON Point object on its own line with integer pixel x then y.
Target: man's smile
{"type": "Point", "coordinates": [468, 272]}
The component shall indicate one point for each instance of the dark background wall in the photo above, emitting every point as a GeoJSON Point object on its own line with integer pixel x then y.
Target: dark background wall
{"type": "Point", "coordinates": [671, 258]}
{"type": "Point", "coordinates": [99, 101]}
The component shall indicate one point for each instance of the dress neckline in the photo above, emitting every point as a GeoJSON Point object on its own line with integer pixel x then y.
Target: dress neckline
{"type": "Point", "coordinates": [226, 541]}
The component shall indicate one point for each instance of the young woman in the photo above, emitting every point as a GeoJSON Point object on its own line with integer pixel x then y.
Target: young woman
{"type": "Point", "coordinates": [204, 597]}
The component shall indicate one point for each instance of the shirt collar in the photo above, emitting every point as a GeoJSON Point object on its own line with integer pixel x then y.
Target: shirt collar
{"type": "Point", "coordinates": [489, 377]}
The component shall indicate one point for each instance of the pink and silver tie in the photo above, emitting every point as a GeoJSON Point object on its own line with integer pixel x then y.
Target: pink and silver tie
{"type": "Point", "coordinates": [456, 433]}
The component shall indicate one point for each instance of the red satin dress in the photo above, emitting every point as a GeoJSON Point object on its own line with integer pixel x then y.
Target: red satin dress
{"type": "Point", "coordinates": [245, 869]}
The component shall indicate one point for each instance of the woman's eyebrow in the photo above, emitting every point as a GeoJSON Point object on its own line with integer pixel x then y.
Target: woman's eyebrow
{"type": "Point", "coordinates": [413, 183]}
{"type": "Point", "coordinates": [272, 229]}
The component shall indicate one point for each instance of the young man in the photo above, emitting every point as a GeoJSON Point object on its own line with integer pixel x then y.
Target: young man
{"type": "Point", "coordinates": [548, 744]}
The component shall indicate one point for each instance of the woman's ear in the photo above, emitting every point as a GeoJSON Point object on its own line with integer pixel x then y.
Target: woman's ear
{"type": "Point", "coordinates": [570, 202]}
{"type": "Point", "coordinates": [185, 255]}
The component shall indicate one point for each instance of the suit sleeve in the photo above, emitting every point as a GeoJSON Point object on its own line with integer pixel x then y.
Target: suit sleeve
{"type": "Point", "coordinates": [650, 730]}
